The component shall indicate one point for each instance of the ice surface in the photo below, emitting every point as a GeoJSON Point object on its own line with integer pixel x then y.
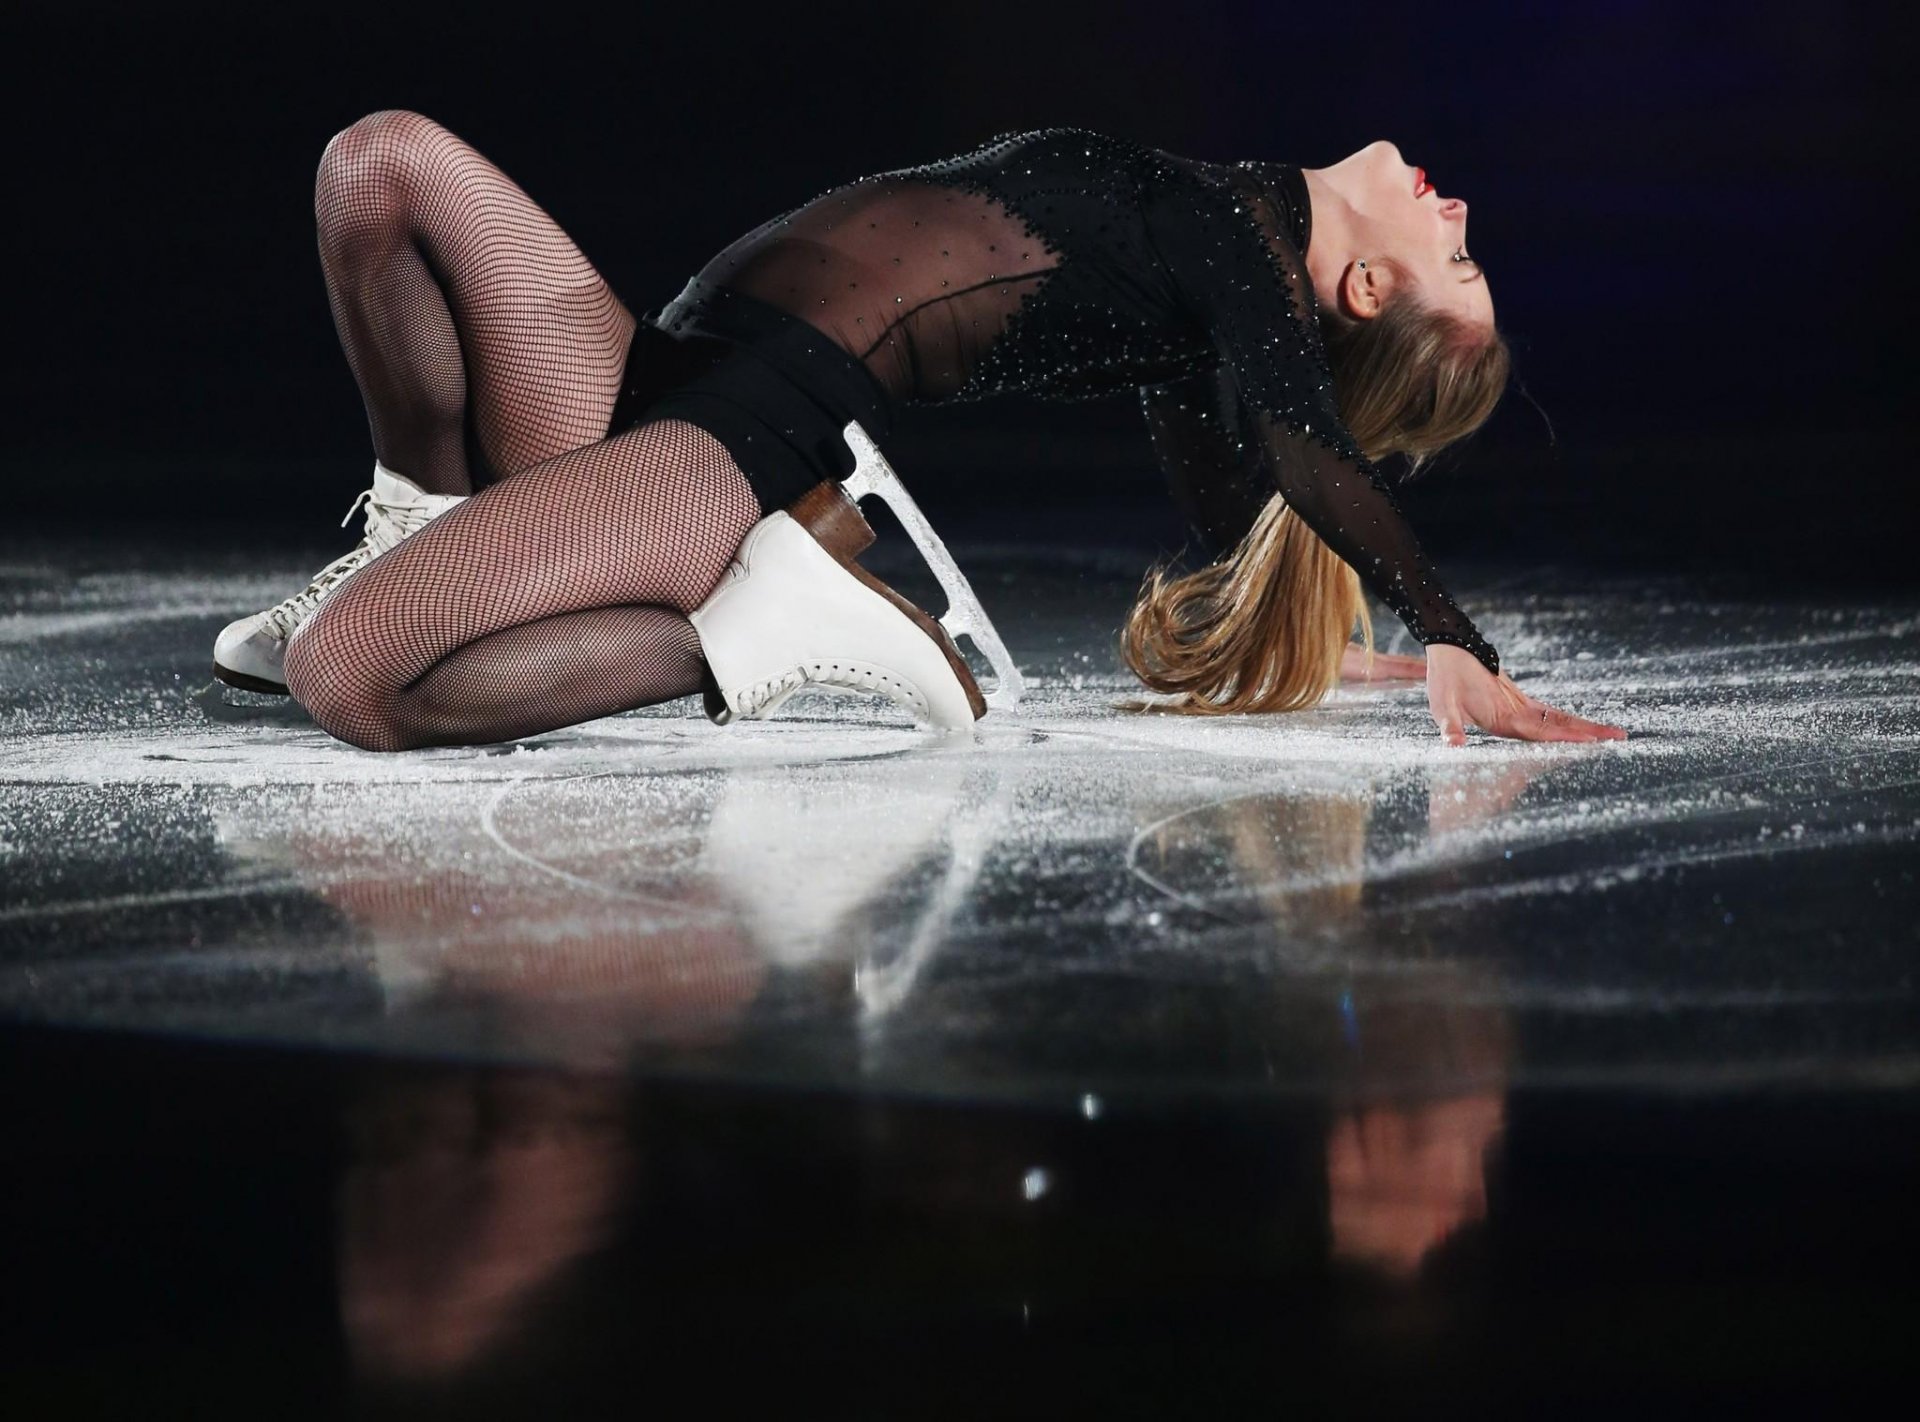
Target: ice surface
{"type": "Point", "coordinates": [1086, 901]}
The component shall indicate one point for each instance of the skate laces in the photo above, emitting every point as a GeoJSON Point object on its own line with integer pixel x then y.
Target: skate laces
{"type": "Point", "coordinates": [846, 676]}
{"type": "Point", "coordinates": [387, 524]}
{"type": "Point", "coordinates": [755, 698]}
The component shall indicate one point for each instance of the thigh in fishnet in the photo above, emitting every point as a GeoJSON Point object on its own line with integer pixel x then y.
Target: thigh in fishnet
{"type": "Point", "coordinates": [550, 598]}
{"type": "Point", "coordinates": [456, 295]}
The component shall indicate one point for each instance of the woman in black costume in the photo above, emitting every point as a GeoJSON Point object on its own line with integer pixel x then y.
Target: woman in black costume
{"type": "Point", "coordinates": [1282, 327]}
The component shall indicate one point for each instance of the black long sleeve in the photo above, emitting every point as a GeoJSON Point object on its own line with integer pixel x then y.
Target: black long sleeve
{"type": "Point", "coordinates": [1214, 476]}
{"type": "Point", "coordinates": [1269, 423]}
{"type": "Point", "coordinates": [1069, 264]}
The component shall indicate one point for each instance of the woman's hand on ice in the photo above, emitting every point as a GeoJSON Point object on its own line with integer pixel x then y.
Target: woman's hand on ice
{"type": "Point", "coordinates": [1387, 666]}
{"type": "Point", "coordinates": [1461, 693]}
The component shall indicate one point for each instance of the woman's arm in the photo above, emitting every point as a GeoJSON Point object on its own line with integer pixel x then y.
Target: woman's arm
{"type": "Point", "coordinates": [1191, 425]}
{"type": "Point", "coordinates": [1356, 665]}
{"type": "Point", "coordinates": [1245, 283]}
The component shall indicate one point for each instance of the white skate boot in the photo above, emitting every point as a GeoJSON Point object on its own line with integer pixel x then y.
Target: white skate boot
{"type": "Point", "coordinates": [248, 653]}
{"type": "Point", "coordinates": [796, 610]}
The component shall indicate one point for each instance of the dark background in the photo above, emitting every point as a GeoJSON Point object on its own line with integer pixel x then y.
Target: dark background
{"type": "Point", "coordinates": [1697, 220]}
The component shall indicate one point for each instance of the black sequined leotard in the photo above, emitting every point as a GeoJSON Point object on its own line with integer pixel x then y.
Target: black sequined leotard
{"type": "Point", "coordinates": [1068, 265]}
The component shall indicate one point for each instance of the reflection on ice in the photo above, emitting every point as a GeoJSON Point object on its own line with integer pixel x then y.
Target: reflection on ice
{"type": "Point", "coordinates": [1081, 904]}
{"type": "Point", "coordinates": [466, 1196]}
{"type": "Point", "coordinates": [1129, 1027]}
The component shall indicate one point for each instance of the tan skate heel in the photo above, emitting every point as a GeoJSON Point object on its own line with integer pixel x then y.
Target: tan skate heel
{"type": "Point", "coordinates": [837, 525]}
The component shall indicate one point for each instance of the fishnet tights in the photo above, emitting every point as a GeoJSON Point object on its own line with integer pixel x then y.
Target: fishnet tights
{"type": "Point", "coordinates": [489, 353]}
{"type": "Point", "coordinates": [549, 598]}
{"type": "Point", "coordinates": [459, 300]}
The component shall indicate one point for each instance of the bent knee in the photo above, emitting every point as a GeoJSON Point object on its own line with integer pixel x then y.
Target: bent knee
{"type": "Point", "coordinates": [347, 701]}
{"type": "Point", "coordinates": [383, 136]}
{"type": "Point", "coordinates": [383, 153]}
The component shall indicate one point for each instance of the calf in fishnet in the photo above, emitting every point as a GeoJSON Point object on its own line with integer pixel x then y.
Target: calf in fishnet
{"type": "Point", "coordinates": [559, 592]}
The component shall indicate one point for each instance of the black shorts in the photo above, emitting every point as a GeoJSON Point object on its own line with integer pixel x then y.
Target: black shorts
{"type": "Point", "coordinates": [776, 391]}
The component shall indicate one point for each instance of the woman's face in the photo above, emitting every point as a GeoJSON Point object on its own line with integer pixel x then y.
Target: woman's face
{"type": "Point", "coordinates": [1398, 214]}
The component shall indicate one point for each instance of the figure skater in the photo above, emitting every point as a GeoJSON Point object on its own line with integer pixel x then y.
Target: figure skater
{"type": "Point", "coordinates": [576, 512]}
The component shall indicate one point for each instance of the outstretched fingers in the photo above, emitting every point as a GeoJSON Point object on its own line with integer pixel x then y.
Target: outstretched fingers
{"type": "Point", "coordinates": [1391, 665]}
{"type": "Point", "coordinates": [1461, 693]}
{"type": "Point", "coordinates": [1512, 713]}
{"type": "Point", "coordinates": [1537, 721]}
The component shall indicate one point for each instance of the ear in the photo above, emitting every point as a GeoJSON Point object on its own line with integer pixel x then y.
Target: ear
{"type": "Point", "coordinates": [1364, 288]}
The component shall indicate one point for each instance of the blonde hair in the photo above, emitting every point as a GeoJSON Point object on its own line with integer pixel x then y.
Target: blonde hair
{"type": "Point", "coordinates": [1264, 628]}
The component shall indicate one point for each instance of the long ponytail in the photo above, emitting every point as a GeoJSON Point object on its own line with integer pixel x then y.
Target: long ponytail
{"type": "Point", "coordinates": [1264, 629]}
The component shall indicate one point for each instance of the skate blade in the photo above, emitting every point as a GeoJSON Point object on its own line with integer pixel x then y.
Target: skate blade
{"type": "Point", "coordinates": [964, 617]}
{"type": "Point", "coordinates": [220, 700]}
{"type": "Point", "coordinates": [248, 683]}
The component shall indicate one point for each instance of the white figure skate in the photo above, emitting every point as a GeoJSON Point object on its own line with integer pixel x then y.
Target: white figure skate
{"type": "Point", "coordinates": [796, 610]}
{"type": "Point", "coordinates": [249, 653]}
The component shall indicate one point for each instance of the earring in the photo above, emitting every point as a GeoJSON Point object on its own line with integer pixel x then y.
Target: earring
{"type": "Point", "coordinates": [1361, 265]}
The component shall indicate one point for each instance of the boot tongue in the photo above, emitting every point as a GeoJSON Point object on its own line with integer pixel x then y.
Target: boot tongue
{"type": "Point", "coordinates": [392, 488]}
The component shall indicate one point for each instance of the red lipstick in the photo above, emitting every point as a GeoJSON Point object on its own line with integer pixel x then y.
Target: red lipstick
{"type": "Point", "coordinates": [1421, 187]}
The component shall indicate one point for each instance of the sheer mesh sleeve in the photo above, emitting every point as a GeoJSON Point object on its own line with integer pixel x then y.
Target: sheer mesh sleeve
{"type": "Point", "coordinates": [1192, 423]}
{"type": "Point", "coordinates": [1251, 290]}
